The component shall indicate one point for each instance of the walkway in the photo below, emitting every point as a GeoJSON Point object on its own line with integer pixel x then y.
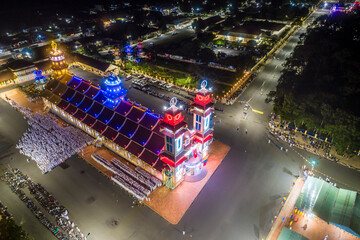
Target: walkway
{"type": "Point", "coordinates": [286, 211]}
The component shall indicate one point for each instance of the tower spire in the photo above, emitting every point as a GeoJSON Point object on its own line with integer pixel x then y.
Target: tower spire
{"type": "Point", "coordinates": [173, 127]}
{"type": "Point", "coordinates": [113, 90]}
{"type": "Point", "coordinates": [202, 108]}
{"type": "Point", "coordinates": [58, 64]}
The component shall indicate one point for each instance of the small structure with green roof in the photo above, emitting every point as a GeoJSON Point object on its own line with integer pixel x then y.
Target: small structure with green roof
{"type": "Point", "coordinates": [287, 234]}
{"type": "Point", "coordinates": [338, 206]}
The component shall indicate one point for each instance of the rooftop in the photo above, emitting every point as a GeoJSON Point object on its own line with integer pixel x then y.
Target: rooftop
{"type": "Point", "coordinates": [20, 64]}
{"type": "Point", "coordinates": [334, 205]}
{"type": "Point", "coordinates": [102, 66]}
{"type": "Point", "coordinates": [129, 126]}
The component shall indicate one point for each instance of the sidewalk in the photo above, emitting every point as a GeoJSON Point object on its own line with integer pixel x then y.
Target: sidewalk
{"type": "Point", "coordinates": [313, 145]}
{"type": "Point", "coordinates": [316, 229]}
{"type": "Point", "coordinates": [286, 210]}
{"type": "Point", "coordinates": [310, 227]}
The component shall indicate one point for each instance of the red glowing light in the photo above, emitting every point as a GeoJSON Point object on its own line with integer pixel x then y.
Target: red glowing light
{"type": "Point", "coordinates": [195, 153]}
{"type": "Point", "coordinates": [177, 117]}
{"type": "Point", "coordinates": [169, 117]}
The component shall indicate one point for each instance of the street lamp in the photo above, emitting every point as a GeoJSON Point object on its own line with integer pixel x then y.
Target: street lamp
{"type": "Point", "coordinates": [313, 163]}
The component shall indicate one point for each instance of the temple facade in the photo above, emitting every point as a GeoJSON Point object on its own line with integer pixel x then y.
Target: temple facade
{"type": "Point", "coordinates": [162, 145]}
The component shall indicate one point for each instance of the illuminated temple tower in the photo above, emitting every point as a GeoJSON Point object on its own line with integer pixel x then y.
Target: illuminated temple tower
{"type": "Point", "coordinates": [140, 51]}
{"type": "Point", "coordinates": [40, 80]}
{"type": "Point", "coordinates": [113, 91]}
{"type": "Point", "coordinates": [173, 127]}
{"type": "Point", "coordinates": [129, 51]}
{"type": "Point", "coordinates": [202, 107]}
{"type": "Point", "coordinates": [58, 63]}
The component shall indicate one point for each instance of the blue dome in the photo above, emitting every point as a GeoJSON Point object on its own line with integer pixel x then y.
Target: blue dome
{"type": "Point", "coordinates": [113, 89]}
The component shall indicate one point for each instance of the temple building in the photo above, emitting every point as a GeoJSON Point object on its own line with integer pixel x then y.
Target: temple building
{"type": "Point", "coordinates": [162, 145]}
{"type": "Point", "coordinates": [93, 65]}
{"type": "Point", "coordinates": [140, 50]}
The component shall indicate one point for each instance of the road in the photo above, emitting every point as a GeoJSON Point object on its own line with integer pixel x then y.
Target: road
{"type": "Point", "coordinates": [7, 54]}
{"type": "Point", "coordinates": [228, 51]}
{"type": "Point", "coordinates": [238, 202]}
{"type": "Point", "coordinates": [170, 36]}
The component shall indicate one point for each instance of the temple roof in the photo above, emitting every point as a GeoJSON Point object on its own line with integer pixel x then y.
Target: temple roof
{"type": "Point", "coordinates": [83, 87]}
{"type": "Point", "coordinates": [203, 92]}
{"type": "Point", "coordinates": [173, 110]}
{"type": "Point", "coordinates": [74, 82]}
{"type": "Point", "coordinates": [20, 64]}
{"type": "Point", "coordinates": [149, 157]}
{"type": "Point", "coordinates": [203, 107]}
{"type": "Point", "coordinates": [102, 66]}
{"type": "Point", "coordinates": [129, 126]}
{"type": "Point", "coordinates": [173, 128]}
{"type": "Point", "coordinates": [77, 99]}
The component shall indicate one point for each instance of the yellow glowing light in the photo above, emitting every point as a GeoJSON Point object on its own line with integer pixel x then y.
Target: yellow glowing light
{"type": "Point", "coordinates": [53, 45]}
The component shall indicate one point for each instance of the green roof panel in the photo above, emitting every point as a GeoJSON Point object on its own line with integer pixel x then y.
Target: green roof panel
{"type": "Point", "coordinates": [287, 234]}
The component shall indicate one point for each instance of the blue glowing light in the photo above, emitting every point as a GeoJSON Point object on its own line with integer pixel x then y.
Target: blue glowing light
{"type": "Point", "coordinates": [39, 78]}
{"type": "Point", "coordinates": [128, 49]}
{"type": "Point", "coordinates": [154, 115]}
{"type": "Point", "coordinates": [113, 90]}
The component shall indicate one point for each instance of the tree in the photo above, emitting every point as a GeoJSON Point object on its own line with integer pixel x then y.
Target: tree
{"type": "Point", "coordinates": [185, 6]}
{"type": "Point", "coordinates": [320, 86]}
{"type": "Point", "coordinates": [9, 230]}
{"type": "Point", "coordinates": [205, 37]}
{"type": "Point", "coordinates": [251, 43]}
{"type": "Point", "coordinates": [199, 25]}
{"type": "Point", "coordinates": [163, 28]}
{"type": "Point", "coordinates": [207, 55]}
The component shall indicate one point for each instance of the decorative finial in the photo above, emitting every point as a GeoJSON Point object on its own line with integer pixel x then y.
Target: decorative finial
{"type": "Point", "coordinates": [53, 45]}
{"type": "Point", "coordinates": [173, 102]}
{"type": "Point", "coordinates": [203, 84]}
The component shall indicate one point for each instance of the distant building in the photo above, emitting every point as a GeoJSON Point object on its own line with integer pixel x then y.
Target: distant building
{"type": "Point", "coordinates": [212, 20]}
{"type": "Point", "coordinates": [181, 23]}
{"type": "Point", "coordinates": [251, 30]}
{"type": "Point", "coordinates": [7, 77]}
{"type": "Point", "coordinates": [166, 8]}
{"type": "Point", "coordinates": [93, 65]}
{"type": "Point", "coordinates": [22, 69]}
